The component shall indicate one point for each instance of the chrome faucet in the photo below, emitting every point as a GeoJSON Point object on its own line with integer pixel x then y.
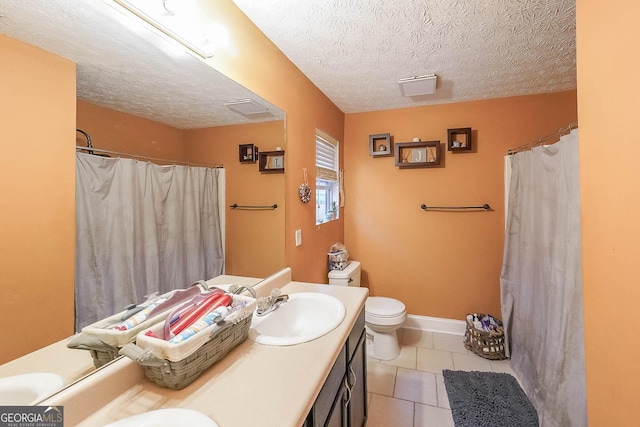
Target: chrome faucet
{"type": "Point", "coordinates": [235, 289]}
{"type": "Point", "coordinates": [268, 304]}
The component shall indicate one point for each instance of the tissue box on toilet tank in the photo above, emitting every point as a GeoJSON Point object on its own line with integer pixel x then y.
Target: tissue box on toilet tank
{"type": "Point", "coordinates": [338, 260]}
{"type": "Point", "coordinates": [176, 366]}
{"type": "Point", "coordinates": [338, 257]}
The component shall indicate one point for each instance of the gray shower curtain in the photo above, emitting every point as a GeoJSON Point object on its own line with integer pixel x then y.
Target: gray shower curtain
{"type": "Point", "coordinates": [541, 281]}
{"type": "Point", "coordinates": [141, 228]}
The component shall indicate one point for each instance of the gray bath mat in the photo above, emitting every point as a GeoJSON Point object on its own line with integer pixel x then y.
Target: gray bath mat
{"type": "Point", "coordinates": [483, 399]}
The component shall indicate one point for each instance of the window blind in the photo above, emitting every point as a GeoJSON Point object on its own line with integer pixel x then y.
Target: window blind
{"type": "Point", "coordinates": [326, 157]}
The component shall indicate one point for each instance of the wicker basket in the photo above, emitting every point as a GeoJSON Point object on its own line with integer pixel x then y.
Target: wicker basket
{"type": "Point", "coordinates": [102, 357]}
{"type": "Point", "coordinates": [178, 375]}
{"type": "Point", "coordinates": [484, 344]}
{"type": "Point", "coordinates": [104, 342]}
{"type": "Point", "coordinates": [175, 366]}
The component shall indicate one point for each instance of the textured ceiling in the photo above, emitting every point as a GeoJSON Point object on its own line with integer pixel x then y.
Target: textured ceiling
{"type": "Point", "coordinates": [355, 51]}
{"type": "Point", "coordinates": [128, 68]}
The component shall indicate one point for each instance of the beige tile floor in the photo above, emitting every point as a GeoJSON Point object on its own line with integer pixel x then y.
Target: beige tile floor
{"type": "Point", "coordinates": [409, 391]}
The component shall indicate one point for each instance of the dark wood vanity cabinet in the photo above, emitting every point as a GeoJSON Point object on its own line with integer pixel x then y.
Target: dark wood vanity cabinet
{"type": "Point", "coordinates": [357, 380]}
{"type": "Point", "coordinates": [338, 417]}
{"type": "Point", "coordinates": [342, 401]}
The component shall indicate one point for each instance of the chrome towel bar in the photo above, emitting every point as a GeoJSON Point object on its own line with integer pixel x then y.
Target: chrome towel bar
{"type": "Point", "coordinates": [484, 207]}
{"type": "Point", "coordinates": [254, 207]}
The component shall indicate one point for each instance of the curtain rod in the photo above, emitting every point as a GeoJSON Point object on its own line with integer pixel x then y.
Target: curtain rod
{"type": "Point", "coordinates": [540, 141]}
{"type": "Point", "coordinates": [92, 150]}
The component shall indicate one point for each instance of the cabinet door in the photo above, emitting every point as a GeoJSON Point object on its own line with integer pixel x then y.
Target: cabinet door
{"type": "Point", "coordinates": [357, 378]}
{"type": "Point", "coordinates": [355, 335]}
{"type": "Point", "coordinates": [324, 402]}
{"type": "Point", "coordinates": [338, 415]}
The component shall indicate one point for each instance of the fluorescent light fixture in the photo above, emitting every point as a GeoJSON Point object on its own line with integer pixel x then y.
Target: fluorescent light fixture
{"type": "Point", "coordinates": [246, 106]}
{"type": "Point", "coordinates": [181, 20]}
{"type": "Point", "coordinates": [419, 85]}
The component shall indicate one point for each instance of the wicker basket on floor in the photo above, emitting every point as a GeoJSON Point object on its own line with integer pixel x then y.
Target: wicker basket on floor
{"type": "Point", "coordinates": [484, 344]}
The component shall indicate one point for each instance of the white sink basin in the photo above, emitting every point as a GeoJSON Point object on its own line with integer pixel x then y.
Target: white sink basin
{"type": "Point", "coordinates": [305, 317]}
{"type": "Point", "coordinates": [28, 389]}
{"type": "Point", "coordinates": [168, 417]}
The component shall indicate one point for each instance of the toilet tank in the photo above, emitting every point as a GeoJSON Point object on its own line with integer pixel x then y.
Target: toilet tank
{"type": "Point", "coordinates": [350, 276]}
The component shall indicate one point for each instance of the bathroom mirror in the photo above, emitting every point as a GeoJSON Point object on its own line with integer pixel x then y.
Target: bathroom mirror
{"type": "Point", "coordinates": [92, 34]}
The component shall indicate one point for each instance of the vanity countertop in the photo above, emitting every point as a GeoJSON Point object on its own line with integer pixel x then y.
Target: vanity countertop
{"type": "Point", "coordinates": [55, 358]}
{"type": "Point", "coordinates": [254, 385]}
{"type": "Point", "coordinates": [73, 364]}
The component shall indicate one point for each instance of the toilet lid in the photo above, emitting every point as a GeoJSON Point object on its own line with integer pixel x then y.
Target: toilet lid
{"type": "Point", "coordinates": [384, 307]}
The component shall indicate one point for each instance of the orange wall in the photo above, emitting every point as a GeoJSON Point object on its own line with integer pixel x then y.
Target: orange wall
{"type": "Point", "coordinates": [36, 235]}
{"type": "Point", "coordinates": [37, 184]}
{"type": "Point", "coordinates": [253, 61]}
{"type": "Point", "coordinates": [254, 239]}
{"type": "Point", "coordinates": [116, 131]}
{"type": "Point", "coordinates": [442, 264]}
{"type": "Point", "coordinates": [607, 39]}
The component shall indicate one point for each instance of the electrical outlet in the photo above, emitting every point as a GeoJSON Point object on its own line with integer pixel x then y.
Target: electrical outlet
{"type": "Point", "coordinates": [298, 237]}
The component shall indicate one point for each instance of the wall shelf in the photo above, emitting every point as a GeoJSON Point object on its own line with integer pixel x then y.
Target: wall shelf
{"type": "Point", "coordinates": [271, 161]}
{"type": "Point", "coordinates": [425, 154]}
{"type": "Point", "coordinates": [247, 153]}
{"type": "Point", "coordinates": [380, 145]}
{"type": "Point", "coordinates": [459, 139]}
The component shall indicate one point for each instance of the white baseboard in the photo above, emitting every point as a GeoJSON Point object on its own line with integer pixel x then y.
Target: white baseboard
{"type": "Point", "coordinates": [435, 324]}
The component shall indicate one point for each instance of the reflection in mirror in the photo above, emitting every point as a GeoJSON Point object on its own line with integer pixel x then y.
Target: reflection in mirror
{"type": "Point", "coordinates": [271, 161]}
{"type": "Point", "coordinates": [138, 95]}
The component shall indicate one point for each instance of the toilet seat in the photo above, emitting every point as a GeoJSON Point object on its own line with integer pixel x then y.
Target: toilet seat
{"type": "Point", "coordinates": [384, 307]}
{"type": "Point", "coordinates": [384, 311]}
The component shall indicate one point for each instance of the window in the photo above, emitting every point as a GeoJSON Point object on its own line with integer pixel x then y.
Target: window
{"type": "Point", "coordinates": [327, 191]}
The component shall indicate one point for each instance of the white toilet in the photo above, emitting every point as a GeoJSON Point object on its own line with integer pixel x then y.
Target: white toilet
{"type": "Point", "coordinates": [383, 316]}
